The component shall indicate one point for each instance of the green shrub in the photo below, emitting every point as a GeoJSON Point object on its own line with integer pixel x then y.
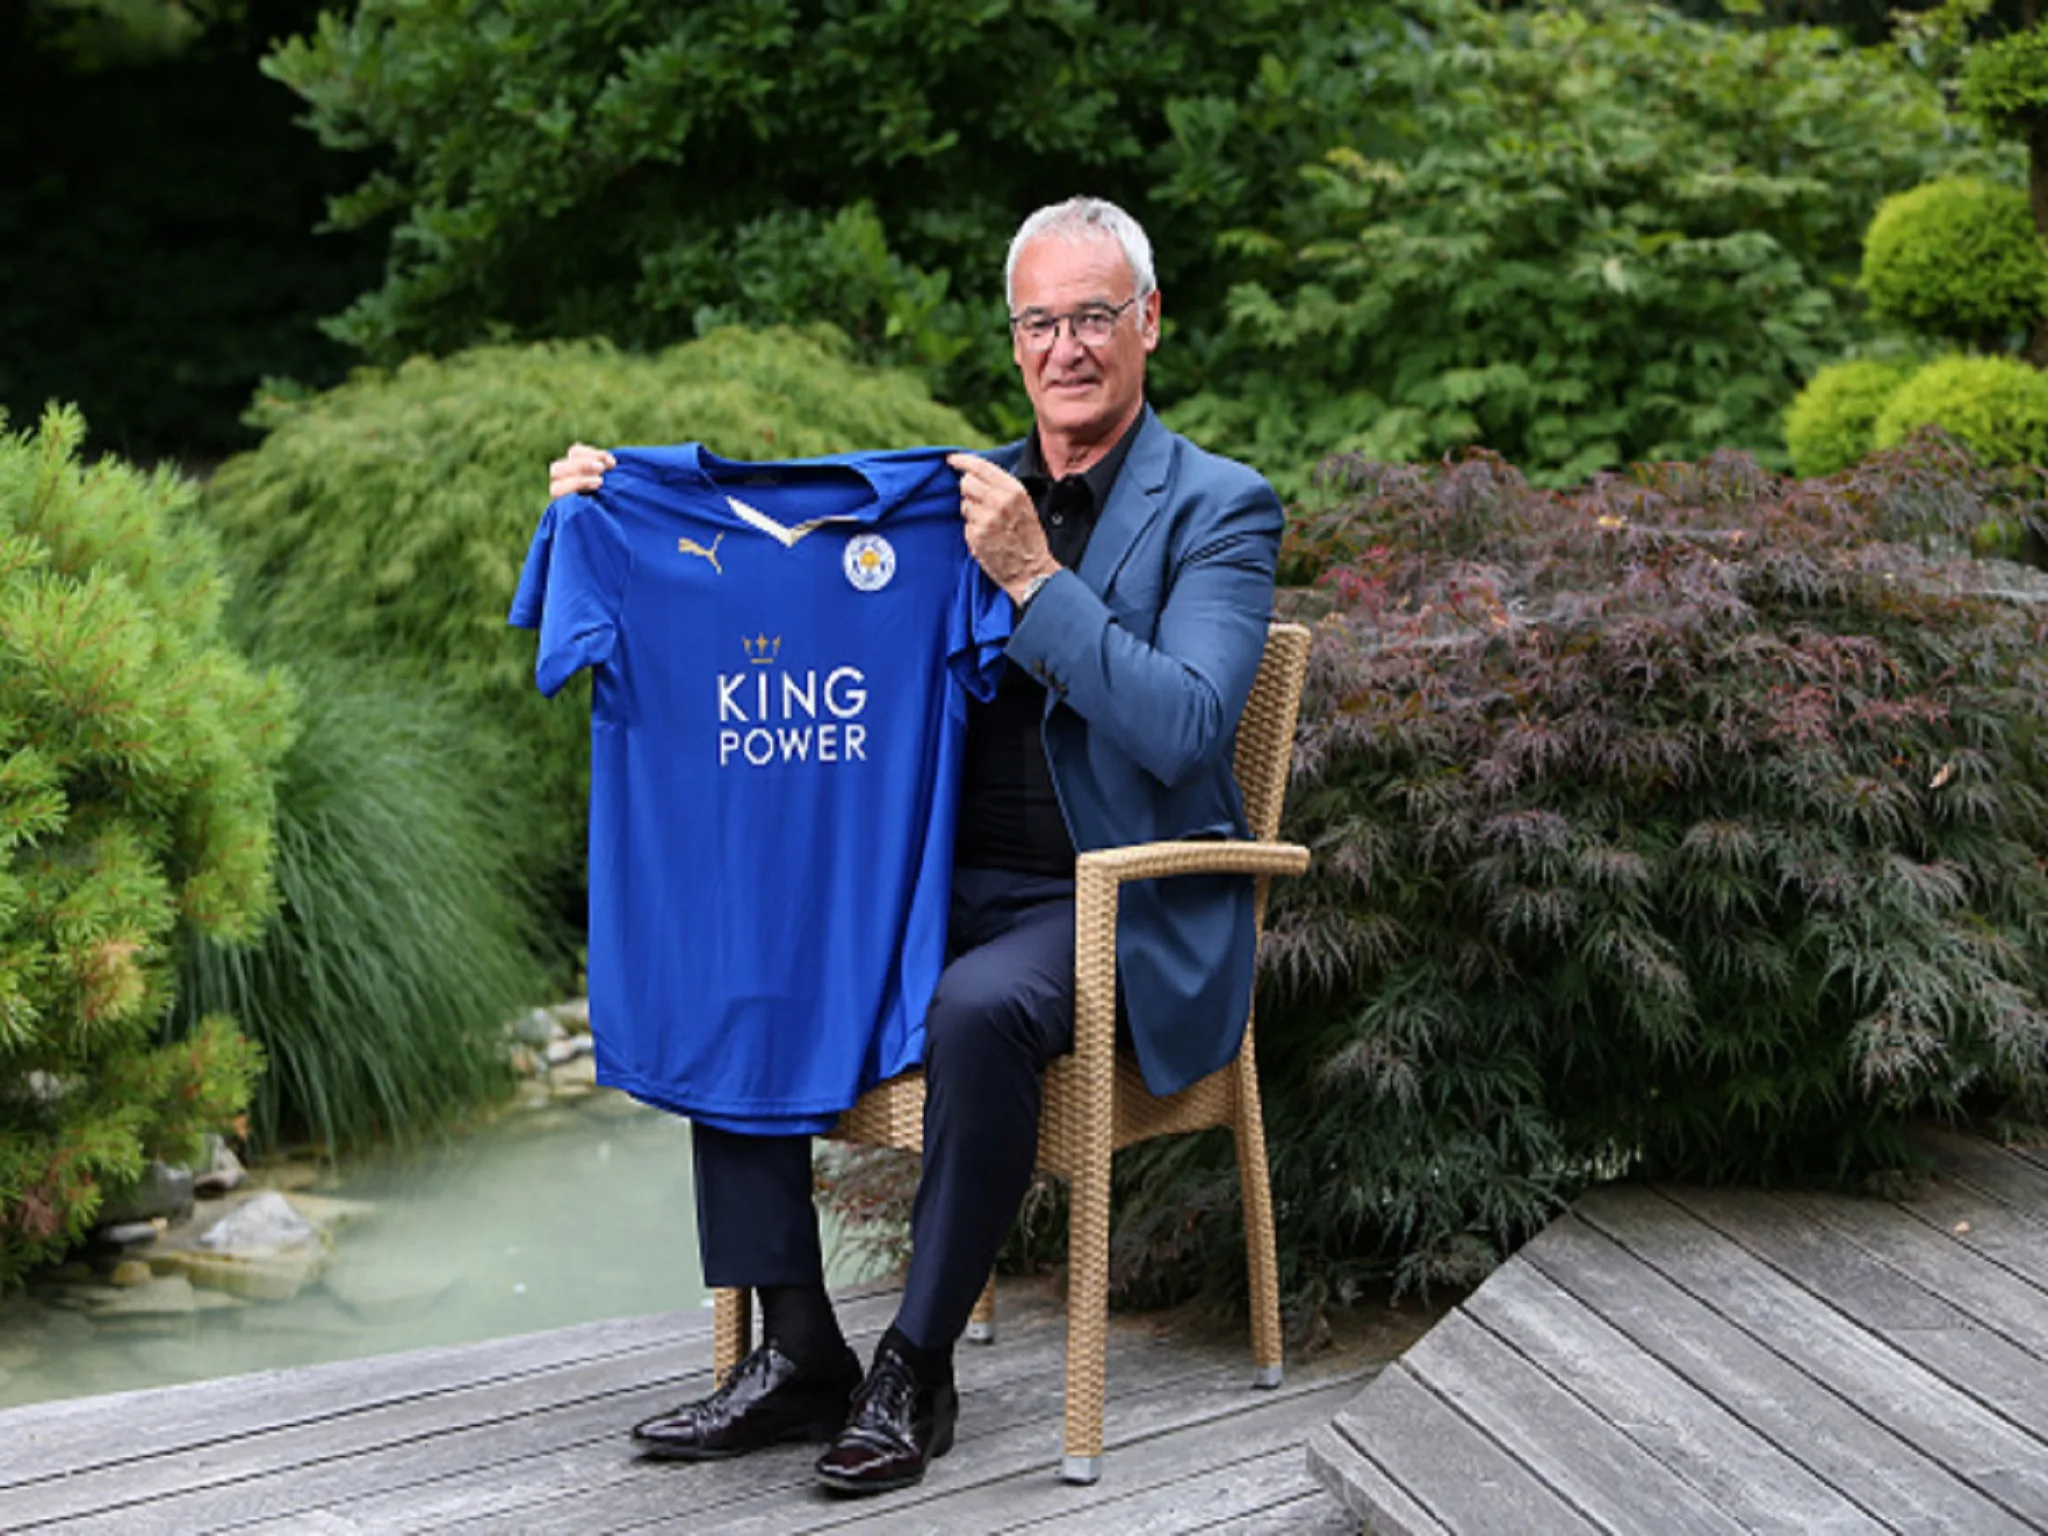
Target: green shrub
{"type": "Point", "coordinates": [1829, 424]}
{"type": "Point", "coordinates": [1998, 406]}
{"type": "Point", "coordinates": [136, 750]}
{"type": "Point", "coordinates": [386, 520]}
{"type": "Point", "coordinates": [1958, 258]}
{"type": "Point", "coordinates": [404, 939]}
{"type": "Point", "coordinates": [1686, 826]}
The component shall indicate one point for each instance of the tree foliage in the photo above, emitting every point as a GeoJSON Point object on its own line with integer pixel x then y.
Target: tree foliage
{"type": "Point", "coordinates": [1599, 233]}
{"type": "Point", "coordinates": [136, 752]}
{"type": "Point", "coordinates": [158, 253]}
{"type": "Point", "coordinates": [648, 172]}
{"type": "Point", "coordinates": [384, 521]}
{"type": "Point", "coordinates": [1686, 825]}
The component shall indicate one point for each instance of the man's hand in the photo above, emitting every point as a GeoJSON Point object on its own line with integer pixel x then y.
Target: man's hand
{"type": "Point", "coordinates": [1003, 531]}
{"type": "Point", "coordinates": [579, 471]}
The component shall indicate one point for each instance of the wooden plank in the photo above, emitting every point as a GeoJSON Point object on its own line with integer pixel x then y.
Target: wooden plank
{"type": "Point", "coordinates": [2014, 1240]}
{"type": "Point", "coordinates": [1370, 1498]}
{"type": "Point", "coordinates": [1313, 1514]}
{"type": "Point", "coordinates": [1907, 1315]}
{"type": "Point", "coordinates": [1989, 1294]}
{"type": "Point", "coordinates": [2012, 1178]}
{"type": "Point", "coordinates": [1952, 1427]}
{"type": "Point", "coordinates": [545, 1473]}
{"type": "Point", "coordinates": [1581, 1456]}
{"type": "Point", "coordinates": [1446, 1464]}
{"type": "Point", "coordinates": [1013, 1434]}
{"type": "Point", "coordinates": [1867, 1464]}
{"type": "Point", "coordinates": [1736, 1470]}
{"type": "Point", "coordinates": [2035, 1152]}
{"type": "Point", "coordinates": [1176, 1482]}
{"type": "Point", "coordinates": [59, 1439]}
{"type": "Point", "coordinates": [518, 1436]}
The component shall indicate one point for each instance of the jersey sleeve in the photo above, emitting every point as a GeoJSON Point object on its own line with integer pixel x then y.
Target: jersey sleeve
{"type": "Point", "coordinates": [978, 631]}
{"type": "Point", "coordinates": [571, 589]}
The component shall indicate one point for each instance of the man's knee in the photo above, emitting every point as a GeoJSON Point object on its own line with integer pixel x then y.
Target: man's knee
{"type": "Point", "coordinates": [972, 1021]}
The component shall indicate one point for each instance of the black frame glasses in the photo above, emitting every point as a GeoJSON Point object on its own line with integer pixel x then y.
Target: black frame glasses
{"type": "Point", "coordinates": [1092, 325]}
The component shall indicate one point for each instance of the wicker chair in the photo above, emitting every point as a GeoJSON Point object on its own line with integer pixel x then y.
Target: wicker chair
{"type": "Point", "coordinates": [1095, 1099]}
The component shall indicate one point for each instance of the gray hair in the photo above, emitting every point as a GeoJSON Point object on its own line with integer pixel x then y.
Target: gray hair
{"type": "Point", "coordinates": [1084, 218]}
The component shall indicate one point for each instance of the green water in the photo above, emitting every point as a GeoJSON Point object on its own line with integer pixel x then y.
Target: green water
{"type": "Point", "coordinates": [565, 1213]}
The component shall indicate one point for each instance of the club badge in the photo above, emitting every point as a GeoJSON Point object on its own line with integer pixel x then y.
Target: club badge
{"type": "Point", "coordinates": [869, 562]}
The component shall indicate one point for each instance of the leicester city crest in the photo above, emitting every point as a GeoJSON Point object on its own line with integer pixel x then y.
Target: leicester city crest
{"type": "Point", "coordinates": [869, 561]}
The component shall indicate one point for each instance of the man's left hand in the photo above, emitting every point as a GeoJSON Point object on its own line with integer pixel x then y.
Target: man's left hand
{"type": "Point", "coordinates": [1003, 531]}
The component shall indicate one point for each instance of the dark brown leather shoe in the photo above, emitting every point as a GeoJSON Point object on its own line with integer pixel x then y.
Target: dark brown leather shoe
{"type": "Point", "coordinates": [897, 1428]}
{"type": "Point", "coordinates": [764, 1400]}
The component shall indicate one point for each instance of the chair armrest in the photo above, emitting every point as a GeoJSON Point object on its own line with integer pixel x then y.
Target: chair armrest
{"type": "Point", "coordinates": [1152, 861]}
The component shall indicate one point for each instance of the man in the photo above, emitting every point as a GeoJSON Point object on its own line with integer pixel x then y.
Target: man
{"type": "Point", "coordinates": [1141, 569]}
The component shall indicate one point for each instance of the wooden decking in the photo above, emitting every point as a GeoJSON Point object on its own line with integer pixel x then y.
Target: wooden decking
{"type": "Point", "coordinates": [1685, 1361]}
{"type": "Point", "coordinates": [527, 1435]}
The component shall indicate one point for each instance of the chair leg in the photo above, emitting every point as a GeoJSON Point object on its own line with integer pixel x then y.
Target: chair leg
{"type": "Point", "coordinates": [1087, 1317]}
{"type": "Point", "coordinates": [1261, 1262]}
{"type": "Point", "coordinates": [732, 1328]}
{"type": "Point", "coordinates": [981, 1323]}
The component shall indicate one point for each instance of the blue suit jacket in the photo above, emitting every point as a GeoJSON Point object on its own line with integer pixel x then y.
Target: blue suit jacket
{"type": "Point", "coordinates": [1147, 653]}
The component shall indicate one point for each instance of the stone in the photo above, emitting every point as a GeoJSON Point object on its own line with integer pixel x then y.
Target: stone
{"type": "Point", "coordinates": [270, 1277]}
{"type": "Point", "coordinates": [129, 1234]}
{"type": "Point", "coordinates": [524, 1062]}
{"type": "Point", "coordinates": [130, 1272]}
{"type": "Point", "coordinates": [161, 1191]}
{"type": "Point", "coordinates": [576, 1075]}
{"type": "Point", "coordinates": [568, 1049]}
{"type": "Point", "coordinates": [258, 1228]}
{"type": "Point", "coordinates": [330, 1213]}
{"type": "Point", "coordinates": [219, 1170]}
{"type": "Point", "coordinates": [535, 1027]}
{"type": "Point", "coordinates": [383, 1295]}
{"type": "Point", "coordinates": [574, 1015]}
{"type": "Point", "coordinates": [532, 1094]}
{"type": "Point", "coordinates": [156, 1307]}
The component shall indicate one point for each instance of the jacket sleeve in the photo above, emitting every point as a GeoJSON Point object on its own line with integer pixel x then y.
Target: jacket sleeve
{"type": "Point", "coordinates": [1171, 703]}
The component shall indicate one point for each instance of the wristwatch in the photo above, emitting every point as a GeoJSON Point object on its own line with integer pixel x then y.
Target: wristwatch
{"type": "Point", "coordinates": [1031, 589]}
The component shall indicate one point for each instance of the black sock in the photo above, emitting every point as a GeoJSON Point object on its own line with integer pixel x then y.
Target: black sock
{"type": "Point", "coordinates": [934, 1367]}
{"type": "Point", "coordinates": [800, 1319]}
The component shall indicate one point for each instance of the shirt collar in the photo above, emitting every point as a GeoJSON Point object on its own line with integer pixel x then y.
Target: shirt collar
{"type": "Point", "coordinates": [1099, 477]}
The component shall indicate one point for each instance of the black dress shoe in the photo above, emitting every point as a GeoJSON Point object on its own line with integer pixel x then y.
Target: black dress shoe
{"type": "Point", "coordinates": [764, 1400]}
{"type": "Point", "coordinates": [898, 1426]}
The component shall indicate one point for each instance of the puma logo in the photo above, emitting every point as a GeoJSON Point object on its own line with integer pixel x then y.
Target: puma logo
{"type": "Point", "coordinates": [692, 547]}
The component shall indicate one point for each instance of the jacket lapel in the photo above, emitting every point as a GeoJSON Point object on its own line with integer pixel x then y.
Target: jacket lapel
{"type": "Point", "coordinates": [1133, 502]}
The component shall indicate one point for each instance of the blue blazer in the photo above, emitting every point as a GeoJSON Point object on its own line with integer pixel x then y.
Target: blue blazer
{"type": "Point", "coordinates": [1147, 653]}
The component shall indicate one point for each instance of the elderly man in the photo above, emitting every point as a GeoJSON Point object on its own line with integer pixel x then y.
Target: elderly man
{"type": "Point", "coordinates": [1141, 570]}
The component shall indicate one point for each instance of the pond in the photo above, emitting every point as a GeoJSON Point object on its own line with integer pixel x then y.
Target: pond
{"type": "Point", "coordinates": [562, 1212]}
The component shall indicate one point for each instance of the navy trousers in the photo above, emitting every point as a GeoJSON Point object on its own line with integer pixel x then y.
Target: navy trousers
{"type": "Point", "coordinates": [1003, 1009]}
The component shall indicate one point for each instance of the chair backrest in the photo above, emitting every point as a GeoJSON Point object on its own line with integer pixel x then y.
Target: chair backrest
{"type": "Point", "coordinates": [1265, 736]}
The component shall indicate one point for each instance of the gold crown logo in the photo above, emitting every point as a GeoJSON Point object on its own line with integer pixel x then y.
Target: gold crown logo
{"type": "Point", "coordinates": [762, 649]}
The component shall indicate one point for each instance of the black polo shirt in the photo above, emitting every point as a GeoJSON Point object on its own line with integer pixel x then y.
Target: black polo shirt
{"type": "Point", "coordinates": [1009, 815]}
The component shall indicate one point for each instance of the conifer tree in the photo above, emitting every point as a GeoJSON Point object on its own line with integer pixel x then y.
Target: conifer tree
{"type": "Point", "coordinates": [135, 807]}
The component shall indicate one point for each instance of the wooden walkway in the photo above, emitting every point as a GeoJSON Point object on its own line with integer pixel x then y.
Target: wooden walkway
{"type": "Point", "coordinates": [527, 1435]}
{"type": "Point", "coordinates": [1683, 1361]}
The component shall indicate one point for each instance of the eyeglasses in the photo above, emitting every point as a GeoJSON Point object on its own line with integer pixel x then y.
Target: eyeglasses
{"type": "Point", "coordinates": [1092, 325]}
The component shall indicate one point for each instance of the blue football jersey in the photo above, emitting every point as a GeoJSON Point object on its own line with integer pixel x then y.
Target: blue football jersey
{"type": "Point", "coordinates": [781, 655]}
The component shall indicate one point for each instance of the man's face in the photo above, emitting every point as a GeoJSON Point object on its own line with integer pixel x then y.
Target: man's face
{"type": "Point", "coordinates": [1083, 396]}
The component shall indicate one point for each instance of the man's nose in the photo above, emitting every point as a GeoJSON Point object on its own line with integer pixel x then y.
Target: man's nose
{"type": "Point", "coordinates": [1066, 343]}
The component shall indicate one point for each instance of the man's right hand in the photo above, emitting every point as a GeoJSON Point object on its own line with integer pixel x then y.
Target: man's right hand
{"type": "Point", "coordinates": [579, 471]}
